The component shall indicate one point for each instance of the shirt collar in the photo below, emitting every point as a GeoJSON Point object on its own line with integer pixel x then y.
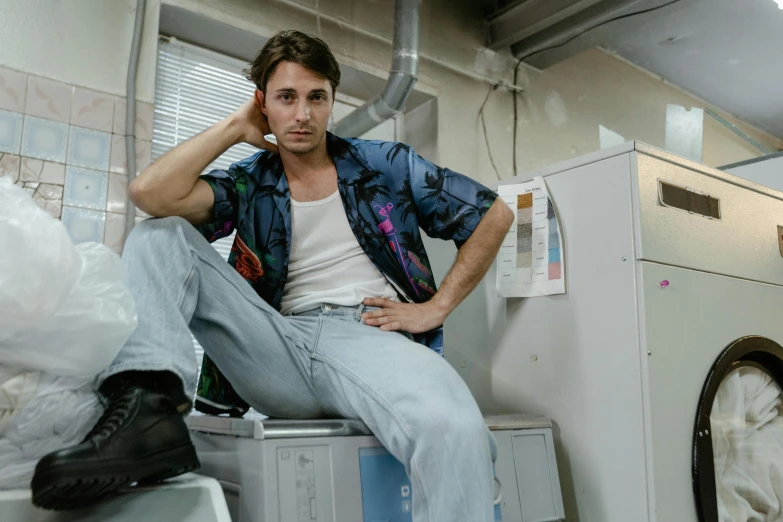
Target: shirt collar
{"type": "Point", "coordinates": [349, 161]}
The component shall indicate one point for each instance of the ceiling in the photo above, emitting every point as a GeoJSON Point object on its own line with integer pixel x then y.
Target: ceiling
{"type": "Point", "coordinates": [728, 52]}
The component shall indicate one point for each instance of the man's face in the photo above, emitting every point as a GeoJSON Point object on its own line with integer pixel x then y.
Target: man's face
{"type": "Point", "coordinates": [298, 103]}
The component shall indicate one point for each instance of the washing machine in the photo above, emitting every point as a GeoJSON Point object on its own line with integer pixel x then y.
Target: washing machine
{"type": "Point", "coordinates": [662, 362]}
{"type": "Point", "coordinates": [335, 470]}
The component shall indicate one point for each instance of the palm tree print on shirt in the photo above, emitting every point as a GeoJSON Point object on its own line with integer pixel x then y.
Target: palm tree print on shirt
{"type": "Point", "coordinates": [387, 228]}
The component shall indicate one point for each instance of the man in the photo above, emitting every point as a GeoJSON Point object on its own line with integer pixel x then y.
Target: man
{"type": "Point", "coordinates": [329, 310]}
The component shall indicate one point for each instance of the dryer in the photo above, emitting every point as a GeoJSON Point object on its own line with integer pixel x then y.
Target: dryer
{"type": "Point", "coordinates": [674, 280]}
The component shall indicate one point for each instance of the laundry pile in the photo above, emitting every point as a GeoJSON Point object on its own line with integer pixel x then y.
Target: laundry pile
{"type": "Point", "coordinates": [65, 312]}
{"type": "Point", "coordinates": [747, 440]}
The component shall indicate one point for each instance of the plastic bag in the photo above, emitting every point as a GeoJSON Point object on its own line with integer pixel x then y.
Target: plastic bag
{"type": "Point", "coordinates": [42, 413]}
{"type": "Point", "coordinates": [38, 264]}
{"type": "Point", "coordinates": [64, 309]}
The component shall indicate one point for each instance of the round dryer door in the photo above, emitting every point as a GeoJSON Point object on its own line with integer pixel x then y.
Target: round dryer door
{"type": "Point", "coordinates": [738, 438]}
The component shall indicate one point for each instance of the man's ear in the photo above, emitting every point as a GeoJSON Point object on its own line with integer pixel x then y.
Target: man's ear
{"type": "Point", "coordinates": [260, 100]}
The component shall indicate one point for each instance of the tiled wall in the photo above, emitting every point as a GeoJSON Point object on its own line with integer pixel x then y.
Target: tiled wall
{"type": "Point", "coordinates": [66, 146]}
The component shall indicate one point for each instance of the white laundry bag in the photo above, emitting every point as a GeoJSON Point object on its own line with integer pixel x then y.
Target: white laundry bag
{"type": "Point", "coordinates": [41, 413]}
{"type": "Point", "coordinates": [65, 313]}
{"type": "Point", "coordinates": [64, 309]}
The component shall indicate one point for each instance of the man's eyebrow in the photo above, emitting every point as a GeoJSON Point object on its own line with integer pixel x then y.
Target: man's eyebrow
{"type": "Point", "coordinates": [291, 90]}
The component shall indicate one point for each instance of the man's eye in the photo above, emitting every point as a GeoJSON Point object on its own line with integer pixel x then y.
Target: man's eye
{"type": "Point", "coordinates": [285, 97]}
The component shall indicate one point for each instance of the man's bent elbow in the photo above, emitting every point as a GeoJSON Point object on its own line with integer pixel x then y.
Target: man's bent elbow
{"type": "Point", "coordinates": [143, 198]}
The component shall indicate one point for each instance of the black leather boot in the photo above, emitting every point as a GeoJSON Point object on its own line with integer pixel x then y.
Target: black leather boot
{"type": "Point", "coordinates": [141, 437]}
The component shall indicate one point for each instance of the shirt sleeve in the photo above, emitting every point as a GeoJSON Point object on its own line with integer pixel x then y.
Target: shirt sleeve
{"type": "Point", "coordinates": [226, 210]}
{"type": "Point", "coordinates": [449, 205]}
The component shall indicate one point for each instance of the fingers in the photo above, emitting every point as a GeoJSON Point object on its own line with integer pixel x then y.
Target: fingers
{"type": "Point", "coordinates": [391, 315]}
{"type": "Point", "coordinates": [392, 327]}
{"type": "Point", "coordinates": [380, 301]}
{"type": "Point", "coordinates": [387, 323]}
{"type": "Point", "coordinates": [379, 320]}
{"type": "Point", "coordinates": [375, 313]}
{"type": "Point", "coordinates": [383, 310]}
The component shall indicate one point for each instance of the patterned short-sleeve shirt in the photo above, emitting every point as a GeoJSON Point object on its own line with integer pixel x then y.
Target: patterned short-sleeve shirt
{"type": "Point", "coordinates": [389, 193]}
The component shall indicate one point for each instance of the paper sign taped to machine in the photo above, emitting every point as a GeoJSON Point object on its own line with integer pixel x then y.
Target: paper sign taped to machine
{"type": "Point", "coordinates": [530, 261]}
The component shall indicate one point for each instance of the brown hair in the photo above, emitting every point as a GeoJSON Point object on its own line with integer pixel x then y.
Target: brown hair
{"type": "Point", "coordinates": [294, 46]}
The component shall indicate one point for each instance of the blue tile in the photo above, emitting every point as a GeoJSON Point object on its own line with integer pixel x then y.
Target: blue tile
{"type": "Point", "coordinates": [554, 255]}
{"type": "Point", "coordinates": [44, 139]}
{"type": "Point", "coordinates": [10, 131]}
{"type": "Point", "coordinates": [85, 188]}
{"type": "Point", "coordinates": [89, 148]}
{"type": "Point", "coordinates": [84, 225]}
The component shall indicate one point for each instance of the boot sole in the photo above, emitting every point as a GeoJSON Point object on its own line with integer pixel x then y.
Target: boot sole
{"type": "Point", "coordinates": [76, 485]}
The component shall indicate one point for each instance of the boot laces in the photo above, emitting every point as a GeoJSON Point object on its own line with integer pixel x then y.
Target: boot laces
{"type": "Point", "coordinates": [120, 404]}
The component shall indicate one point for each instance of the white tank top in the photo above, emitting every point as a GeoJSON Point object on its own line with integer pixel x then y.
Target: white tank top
{"type": "Point", "coordinates": [326, 264]}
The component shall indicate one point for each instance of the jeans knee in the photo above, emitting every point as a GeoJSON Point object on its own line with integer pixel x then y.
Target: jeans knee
{"type": "Point", "coordinates": [152, 232]}
{"type": "Point", "coordinates": [165, 223]}
{"type": "Point", "coordinates": [460, 423]}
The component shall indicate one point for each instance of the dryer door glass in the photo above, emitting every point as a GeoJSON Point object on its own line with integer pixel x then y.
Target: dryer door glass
{"type": "Point", "coordinates": [747, 442]}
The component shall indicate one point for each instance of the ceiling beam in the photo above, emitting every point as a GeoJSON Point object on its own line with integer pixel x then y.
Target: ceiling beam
{"type": "Point", "coordinates": [524, 18]}
{"type": "Point", "coordinates": [567, 29]}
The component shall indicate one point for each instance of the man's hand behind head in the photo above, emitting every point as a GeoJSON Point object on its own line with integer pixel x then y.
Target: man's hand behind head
{"type": "Point", "coordinates": [252, 124]}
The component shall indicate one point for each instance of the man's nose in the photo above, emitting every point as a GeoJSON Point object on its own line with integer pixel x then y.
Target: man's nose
{"type": "Point", "coordinates": [302, 111]}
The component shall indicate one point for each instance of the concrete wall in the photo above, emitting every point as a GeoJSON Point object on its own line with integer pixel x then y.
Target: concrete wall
{"type": "Point", "coordinates": [79, 42]}
{"type": "Point", "coordinates": [564, 106]}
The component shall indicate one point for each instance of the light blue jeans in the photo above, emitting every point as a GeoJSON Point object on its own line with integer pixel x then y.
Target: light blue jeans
{"type": "Point", "coordinates": [324, 363]}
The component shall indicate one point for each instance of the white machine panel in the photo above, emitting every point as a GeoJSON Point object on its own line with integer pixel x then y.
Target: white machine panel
{"type": "Point", "coordinates": [187, 498]}
{"type": "Point", "coordinates": [686, 325]}
{"type": "Point", "coordinates": [576, 357]}
{"type": "Point", "coordinates": [743, 242]}
{"type": "Point", "coordinates": [538, 482]}
{"type": "Point", "coordinates": [309, 468]}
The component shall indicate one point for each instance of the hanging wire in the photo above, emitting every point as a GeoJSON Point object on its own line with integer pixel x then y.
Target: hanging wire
{"type": "Point", "coordinates": [484, 127]}
{"type": "Point", "coordinates": [562, 44]}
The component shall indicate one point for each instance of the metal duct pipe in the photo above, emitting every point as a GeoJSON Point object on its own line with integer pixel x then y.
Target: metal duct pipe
{"type": "Point", "coordinates": [130, 113]}
{"type": "Point", "coordinates": [402, 75]}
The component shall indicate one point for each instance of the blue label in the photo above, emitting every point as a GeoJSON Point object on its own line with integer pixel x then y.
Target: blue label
{"type": "Point", "coordinates": [386, 489]}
